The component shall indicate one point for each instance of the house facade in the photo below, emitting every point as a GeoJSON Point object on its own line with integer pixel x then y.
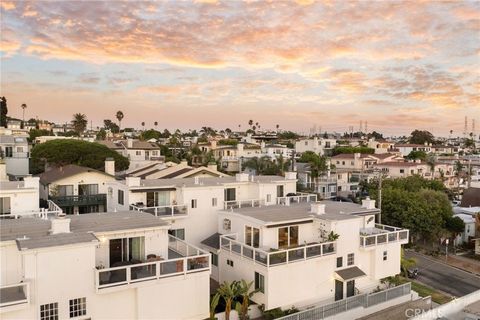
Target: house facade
{"type": "Point", "coordinates": [15, 151]}
{"type": "Point", "coordinates": [318, 145]}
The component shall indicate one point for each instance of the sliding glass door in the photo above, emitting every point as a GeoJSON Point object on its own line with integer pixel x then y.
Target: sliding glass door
{"type": "Point", "coordinates": [287, 237]}
{"type": "Point", "coordinates": [127, 249]}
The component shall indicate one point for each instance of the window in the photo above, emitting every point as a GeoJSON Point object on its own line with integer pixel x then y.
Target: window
{"type": "Point", "coordinates": [252, 236]}
{"type": "Point", "coordinates": [306, 143]}
{"type": "Point", "coordinates": [126, 249]}
{"type": "Point", "coordinates": [87, 189]}
{"type": "Point", "coordinates": [287, 237]}
{"type": "Point", "coordinates": [64, 191]}
{"type": "Point", "coordinates": [138, 153]}
{"type": "Point", "coordinates": [5, 205]}
{"type": "Point", "coordinates": [19, 149]}
{"type": "Point", "coordinates": [350, 259]}
{"type": "Point", "coordinates": [78, 307]}
{"type": "Point", "coordinates": [230, 194]}
{"type": "Point", "coordinates": [259, 282]}
{"type": "Point", "coordinates": [121, 199]}
{"type": "Point", "coordinates": [8, 152]}
{"type": "Point", "coordinates": [402, 171]}
{"type": "Point", "coordinates": [178, 233]}
{"type": "Point", "coordinates": [385, 255]}
{"type": "Point", "coordinates": [214, 259]}
{"type": "Point", "coordinates": [214, 202]}
{"type": "Point", "coordinates": [49, 311]}
{"type": "Point", "coordinates": [339, 262]}
{"type": "Point", "coordinates": [343, 162]}
{"type": "Point", "coordinates": [352, 163]}
{"type": "Point", "coordinates": [194, 203]}
{"type": "Point", "coordinates": [280, 191]}
{"type": "Point", "coordinates": [269, 197]}
{"type": "Point", "coordinates": [230, 263]}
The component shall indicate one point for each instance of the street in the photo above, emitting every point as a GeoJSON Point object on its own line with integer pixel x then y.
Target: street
{"type": "Point", "coordinates": [443, 277]}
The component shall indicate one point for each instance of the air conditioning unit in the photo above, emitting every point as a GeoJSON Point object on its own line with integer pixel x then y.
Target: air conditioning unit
{"type": "Point", "coordinates": [227, 224]}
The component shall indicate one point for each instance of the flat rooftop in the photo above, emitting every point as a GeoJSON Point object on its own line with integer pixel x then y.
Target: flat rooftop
{"type": "Point", "coordinates": [32, 232]}
{"type": "Point", "coordinates": [210, 181]}
{"type": "Point", "coordinates": [334, 211]}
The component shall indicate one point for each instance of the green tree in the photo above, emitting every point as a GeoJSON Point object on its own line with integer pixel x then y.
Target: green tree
{"type": "Point", "coordinates": [35, 133]}
{"type": "Point", "coordinates": [287, 135]}
{"type": "Point", "coordinates": [63, 152]}
{"type": "Point", "coordinates": [119, 115]}
{"type": "Point", "coordinates": [417, 155]}
{"type": "Point", "coordinates": [79, 123]}
{"type": "Point", "coordinates": [150, 134]}
{"type": "Point", "coordinates": [213, 305]}
{"type": "Point", "coordinates": [406, 263]}
{"type": "Point", "coordinates": [101, 135]}
{"type": "Point", "coordinates": [110, 125]}
{"type": "Point", "coordinates": [421, 136]}
{"type": "Point", "coordinates": [3, 112]}
{"type": "Point", "coordinates": [228, 291]}
{"type": "Point", "coordinates": [246, 293]}
{"type": "Point", "coordinates": [455, 225]}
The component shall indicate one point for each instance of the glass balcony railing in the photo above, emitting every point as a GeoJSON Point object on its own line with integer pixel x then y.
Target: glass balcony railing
{"type": "Point", "coordinates": [382, 234]}
{"type": "Point", "coordinates": [163, 211]}
{"type": "Point", "coordinates": [80, 200]}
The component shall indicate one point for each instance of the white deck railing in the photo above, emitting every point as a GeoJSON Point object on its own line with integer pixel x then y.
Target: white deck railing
{"type": "Point", "coordinates": [278, 257]}
{"type": "Point", "coordinates": [382, 234]}
{"type": "Point", "coordinates": [302, 198]}
{"type": "Point", "coordinates": [236, 204]}
{"type": "Point", "coordinates": [163, 211]}
{"type": "Point", "coordinates": [14, 294]}
{"type": "Point", "coordinates": [193, 260]}
{"type": "Point", "coordinates": [365, 300]}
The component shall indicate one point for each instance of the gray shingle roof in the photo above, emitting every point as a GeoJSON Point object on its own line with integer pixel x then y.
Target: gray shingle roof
{"type": "Point", "coordinates": [213, 241]}
{"type": "Point", "coordinates": [471, 198]}
{"type": "Point", "coordinates": [350, 273]}
{"type": "Point", "coordinates": [56, 174]}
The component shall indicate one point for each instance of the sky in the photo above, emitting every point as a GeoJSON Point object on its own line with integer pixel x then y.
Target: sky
{"type": "Point", "coordinates": [399, 65]}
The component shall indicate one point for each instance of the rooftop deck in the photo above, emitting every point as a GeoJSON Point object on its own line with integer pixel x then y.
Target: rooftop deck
{"type": "Point", "coordinates": [382, 234]}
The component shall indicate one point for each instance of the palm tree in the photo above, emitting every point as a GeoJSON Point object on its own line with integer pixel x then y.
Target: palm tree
{"type": "Point", "coordinates": [119, 116]}
{"type": "Point", "coordinates": [250, 123]}
{"type": "Point", "coordinates": [228, 291]}
{"type": "Point", "coordinates": [155, 124]}
{"type": "Point", "coordinates": [318, 166]}
{"type": "Point", "coordinates": [23, 106]}
{"type": "Point", "coordinates": [143, 125]}
{"type": "Point", "coordinates": [244, 290]}
{"type": "Point", "coordinates": [406, 263]}
{"type": "Point", "coordinates": [213, 305]}
{"type": "Point", "coordinates": [277, 126]}
{"type": "Point", "coordinates": [79, 122]}
{"type": "Point", "coordinates": [431, 163]}
{"type": "Point", "coordinates": [451, 132]}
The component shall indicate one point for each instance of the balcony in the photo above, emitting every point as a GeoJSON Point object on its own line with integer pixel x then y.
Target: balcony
{"type": "Point", "coordinates": [81, 200]}
{"type": "Point", "coordinates": [173, 211]}
{"type": "Point", "coordinates": [236, 204]}
{"type": "Point", "coordinates": [191, 260]}
{"type": "Point", "coordinates": [276, 257]}
{"type": "Point", "coordinates": [301, 198]}
{"type": "Point", "coordinates": [382, 234]}
{"type": "Point", "coordinates": [14, 297]}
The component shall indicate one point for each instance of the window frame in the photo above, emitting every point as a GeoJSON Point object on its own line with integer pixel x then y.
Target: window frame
{"type": "Point", "coordinates": [350, 259]}
{"type": "Point", "coordinates": [49, 310]}
{"type": "Point", "coordinates": [121, 196]}
{"type": "Point", "coordinates": [79, 306]}
{"type": "Point", "coordinates": [259, 282]}
{"type": "Point", "coordinates": [193, 203]}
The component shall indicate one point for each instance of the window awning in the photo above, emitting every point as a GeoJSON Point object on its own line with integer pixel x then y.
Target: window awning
{"type": "Point", "coordinates": [350, 273]}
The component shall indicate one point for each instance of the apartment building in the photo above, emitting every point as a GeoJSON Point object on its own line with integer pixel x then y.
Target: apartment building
{"type": "Point", "coordinates": [15, 151]}
{"type": "Point", "coordinates": [362, 161]}
{"type": "Point", "coordinates": [442, 171]}
{"type": "Point", "coordinates": [380, 146]}
{"type": "Point", "coordinates": [18, 198]}
{"type": "Point", "coordinates": [318, 145]}
{"type": "Point", "coordinates": [406, 148]}
{"type": "Point", "coordinates": [121, 265]}
{"type": "Point", "coordinates": [191, 204]}
{"type": "Point", "coordinates": [76, 189]}
{"type": "Point", "coordinates": [231, 157]}
{"type": "Point", "coordinates": [301, 254]}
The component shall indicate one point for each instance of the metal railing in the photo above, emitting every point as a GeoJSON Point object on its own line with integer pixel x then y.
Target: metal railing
{"type": "Point", "coordinates": [163, 211]}
{"type": "Point", "coordinates": [382, 234]}
{"type": "Point", "coordinates": [365, 300]}
{"type": "Point", "coordinates": [80, 200]}
{"type": "Point", "coordinates": [14, 294]}
{"type": "Point", "coordinates": [277, 257]}
{"type": "Point", "coordinates": [193, 260]}
{"type": "Point", "coordinates": [236, 204]}
{"type": "Point", "coordinates": [303, 198]}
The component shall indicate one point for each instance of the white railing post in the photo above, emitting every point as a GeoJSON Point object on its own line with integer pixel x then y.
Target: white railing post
{"type": "Point", "coordinates": [184, 266]}
{"type": "Point", "coordinates": [157, 269]}
{"type": "Point", "coordinates": [128, 275]}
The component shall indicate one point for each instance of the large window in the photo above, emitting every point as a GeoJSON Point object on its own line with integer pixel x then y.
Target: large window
{"type": "Point", "coordinates": [78, 307]}
{"type": "Point", "coordinates": [230, 194]}
{"type": "Point", "coordinates": [252, 236]}
{"type": "Point", "coordinates": [259, 282]}
{"type": "Point", "coordinates": [127, 249]}
{"type": "Point", "coordinates": [178, 233]}
{"type": "Point", "coordinates": [8, 152]}
{"type": "Point", "coordinates": [280, 191]}
{"type": "Point", "coordinates": [158, 199]}
{"type": "Point", "coordinates": [65, 190]}
{"type": "Point", "coordinates": [287, 237]}
{"type": "Point", "coordinates": [49, 311]}
{"type": "Point", "coordinates": [87, 189]}
{"type": "Point", "coordinates": [5, 205]}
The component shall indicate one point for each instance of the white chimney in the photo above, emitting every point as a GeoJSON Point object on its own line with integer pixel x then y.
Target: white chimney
{"type": "Point", "coordinates": [290, 175]}
{"type": "Point", "coordinates": [368, 203]}
{"type": "Point", "coordinates": [3, 171]}
{"type": "Point", "coordinates": [133, 181]}
{"type": "Point", "coordinates": [129, 143]}
{"type": "Point", "coordinates": [31, 182]}
{"type": "Point", "coordinates": [317, 208]}
{"type": "Point", "coordinates": [212, 166]}
{"type": "Point", "coordinates": [110, 166]}
{"type": "Point", "coordinates": [241, 177]}
{"type": "Point", "coordinates": [60, 224]}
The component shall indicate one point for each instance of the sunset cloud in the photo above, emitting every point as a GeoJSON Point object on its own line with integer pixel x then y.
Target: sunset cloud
{"type": "Point", "coordinates": [336, 55]}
